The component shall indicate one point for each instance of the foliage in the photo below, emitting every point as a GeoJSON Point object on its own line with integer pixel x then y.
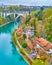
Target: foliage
{"type": "Point", "coordinates": [38, 62]}
{"type": "Point", "coordinates": [43, 58]}
{"type": "Point", "coordinates": [24, 45]}
{"type": "Point", "coordinates": [12, 17]}
{"type": "Point", "coordinates": [3, 20]}
{"type": "Point", "coordinates": [1, 9]}
{"type": "Point", "coordinates": [33, 13]}
{"type": "Point", "coordinates": [47, 17]}
{"type": "Point", "coordinates": [30, 38]}
{"type": "Point", "coordinates": [47, 12]}
{"type": "Point", "coordinates": [24, 36]}
{"type": "Point", "coordinates": [21, 50]}
{"type": "Point", "coordinates": [27, 19]}
{"type": "Point", "coordinates": [40, 15]}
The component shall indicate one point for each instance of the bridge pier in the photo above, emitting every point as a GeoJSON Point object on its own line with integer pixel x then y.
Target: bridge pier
{"type": "Point", "coordinates": [14, 15]}
{"type": "Point", "coordinates": [4, 15]}
{"type": "Point", "coordinates": [0, 14]}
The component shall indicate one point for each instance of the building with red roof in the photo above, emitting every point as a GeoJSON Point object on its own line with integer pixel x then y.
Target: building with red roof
{"type": "Point", "coordinates": [46, 45]}
{"type": "Point", "coordinates": [29, 44]}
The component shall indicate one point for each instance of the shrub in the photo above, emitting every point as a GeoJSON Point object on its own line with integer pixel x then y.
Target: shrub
{"type": "Point", "coordinates": [24, 45]}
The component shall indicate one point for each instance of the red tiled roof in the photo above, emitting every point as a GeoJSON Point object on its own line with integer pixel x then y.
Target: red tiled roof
{"type": "Point", "coordinates": [29, 43]}
{"type": "Point", "coordinates": [19, 30]}
{"type": "Point", "coordinates": [47, 47]}
{"type": "Point", "coordinates": [44, 43]}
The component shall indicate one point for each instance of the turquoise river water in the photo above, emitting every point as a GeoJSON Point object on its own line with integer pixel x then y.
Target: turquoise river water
{"type": "Point", "coordinates": [8, 53]}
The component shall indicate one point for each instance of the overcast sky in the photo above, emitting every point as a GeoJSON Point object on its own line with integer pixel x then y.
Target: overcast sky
{"type": "Point", "coordinates": [27, 2]}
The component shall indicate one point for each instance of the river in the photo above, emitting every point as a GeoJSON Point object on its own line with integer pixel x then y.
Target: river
{"type": "Point", "coordinates": [8, 53]}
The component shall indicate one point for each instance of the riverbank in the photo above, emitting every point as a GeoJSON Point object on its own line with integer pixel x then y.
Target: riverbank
{"type": "Point", "coordinates": [21, 50]}
{"type": "Point", "coordinates": [5, 24]}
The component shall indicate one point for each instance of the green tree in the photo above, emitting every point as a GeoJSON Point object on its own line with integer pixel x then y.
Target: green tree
{"type": "Point", "coordinates": [47, 20]}
{"type": "Point", "coordinates": [24, 45]}
{"type": "Point", "coordinates": [38, 62]}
